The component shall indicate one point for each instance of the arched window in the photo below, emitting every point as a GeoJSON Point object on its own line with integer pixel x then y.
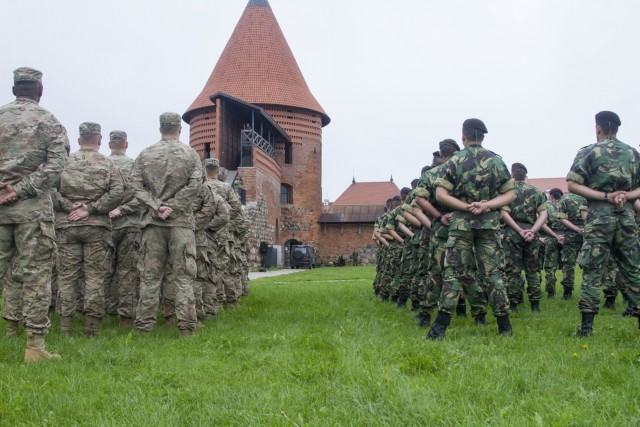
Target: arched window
{"type": "Point", "coordinates": [286, 194]}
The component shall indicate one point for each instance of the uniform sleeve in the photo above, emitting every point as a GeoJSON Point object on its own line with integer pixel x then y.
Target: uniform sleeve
{"type": "Point", "coordinates": [505, 182]}
{"type": "Point", "coordinates": [448, 176]}
{"type": "Point", "coordinates": [206, 209]}
{"type": "Point", "coordinates": [221, 216]}
{"type": "Point", "coordinates": [140, 187]}
{"type": "Point", "coordinates": [187, 194]}
{"type": "Point", "coordinates": [112, 197]}
{"type": "Point", "coordinates": [49, 172]}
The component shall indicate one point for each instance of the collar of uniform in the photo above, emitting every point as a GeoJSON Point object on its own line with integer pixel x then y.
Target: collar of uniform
{"type": "Point", "coordinates": [170, 140]}
{"type": "Point", "coordinates": [25, 99]}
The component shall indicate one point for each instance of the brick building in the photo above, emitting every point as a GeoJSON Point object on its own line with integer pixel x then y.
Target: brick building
{"type": "Point", "coordinates": [257, 115]}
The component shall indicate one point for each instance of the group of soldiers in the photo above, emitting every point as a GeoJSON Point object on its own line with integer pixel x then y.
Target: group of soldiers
{"type": "Point", "coordinates": [468, 229]}
{"type": "Point", "coordinates": [110, 235]}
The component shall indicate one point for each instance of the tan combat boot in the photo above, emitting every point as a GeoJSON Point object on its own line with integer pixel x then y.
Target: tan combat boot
{"type": "Point", "coordinates": [12, 328]}
{"type": "Point", "coordinates": [35, 349]}
{"type": "Point", "coordinates": [126, 322]}
{"type": "Point", "coordinates": [92, 326]}
{"type": "Point", "coordinates": [66, 325]}
{"type": "Point", "coordinates": [185, 333]}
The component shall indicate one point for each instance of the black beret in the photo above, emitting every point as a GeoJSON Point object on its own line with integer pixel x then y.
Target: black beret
{"type": "Point", "coordinates": [436, 154]}
{"type": "Point", "coordinates": [519, 166]}
{"type": "Point", "coordinates": [608, 117]}
{"type": "Point", "coordinates": [556, 192]}
{"type": "Point", "coordinates": [395, 198]}
{"type": "Point", "coordinates": [474, 124]}
{"type": "Point", "coordinates": [449, 143]}
{"type": "Point", "coordinates": [405, 190]}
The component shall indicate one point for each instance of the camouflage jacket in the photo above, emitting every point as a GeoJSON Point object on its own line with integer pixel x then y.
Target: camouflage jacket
{"type": "Point", "coordinates": [472, 175]}
{"type": "Point", "coordinates": [168, 173]}
{"type": "Point", "coordinates": [129, 205]}
{"type": "Point", "coordinates": [528, 204]}
{"type": "Point", "coordinates": [553, 219]}
{"type": "Point", "coordinates": [33, 150]}
{"type": "Point", "coordinates": [92, 179]}
{"type": "Point", "coordinates": [228, 194]}
{"type": "Point", "coordinates": [570, 207]}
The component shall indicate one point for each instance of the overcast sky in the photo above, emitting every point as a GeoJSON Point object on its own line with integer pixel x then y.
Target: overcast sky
{"type": "Point", "coordinates": [395, 77]}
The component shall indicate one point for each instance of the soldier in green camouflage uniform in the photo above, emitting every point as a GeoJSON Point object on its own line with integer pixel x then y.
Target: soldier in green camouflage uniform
{"type": "Point", "coordinates": [122, 292]}
{"type": "Point", "coordinates": [553, 245]}
{"type": "Point", "coordinates": [90, 187]}
{"type": "Point", "coordinates": [608, 176]}
{"type": "Point", "coordinates": [475, 184]}
{"type": "Point", "coordinates": [394, 254]}
{"type": "Point", "coordinates": [524, 217]}
{"type": "Point", "coordinates": [166, 178]}
{"type": "Point", "coordinates": [572, 211]}
{"type": "Point", "coordinates": [33, 151]}
{"type": "Point", "coordinates": [399, 285]}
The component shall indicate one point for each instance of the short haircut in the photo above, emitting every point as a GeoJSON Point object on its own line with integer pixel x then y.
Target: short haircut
{"type": "Point", "coordinates": [27, 88]}
{"type": "Point", "coordinates": [608, 128]}
{"type": "Point", "coordinates": [169, 129]}
{"type": "Point", "coordinates": [519, 174]}
{"type": "Point", "coordinates": [473, 135]}
{"type": "Point", "coordinates": [89, 139]}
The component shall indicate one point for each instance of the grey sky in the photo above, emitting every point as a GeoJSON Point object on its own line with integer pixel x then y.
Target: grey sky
{"type": "Point", "coordinates": [395, 77]}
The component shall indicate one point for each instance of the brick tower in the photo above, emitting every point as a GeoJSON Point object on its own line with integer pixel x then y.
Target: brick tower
{"type": "Point", "coordinates": [257, 115]}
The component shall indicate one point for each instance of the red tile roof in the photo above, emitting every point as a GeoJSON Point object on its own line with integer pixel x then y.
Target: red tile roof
{"type": "Point", "coordinates": [546, 184]}
{"type": "Point", "coordinates": [368, 193]}
{"type": "Point", "coordinates": [258, 67]}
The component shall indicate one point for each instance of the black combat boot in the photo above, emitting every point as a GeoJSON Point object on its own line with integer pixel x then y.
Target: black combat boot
{"type": "Point", "coordinates": [586, 329]}
{"type": "Point", "coordinates": [461, 308]}
{"type": "Point", "coordinates": [402, 302]}
{"type": "Point", "coordinates": [424, 320]}
{"type": "Point", "coordinates": [439, 326]}
{"type": "Point", "coordinates": [551, 293]}
{"type": "Point", "coordinates": [415, 305]}
{"type": "Point", "coordinates": [628, 312]}
{"type": "Point", "coordinates": [394, 299]}
{"type": "Point", "coordinates": [610, 303]}
{"type": "Point", "coordinates": [481, 320]}
{"type": "Point", "coordinates": [535, 306]}
{"type": "Point", "coordinates": [504, 325]}
{"type": "Point", "coordinates": [513, 306]}
{"type": "Point", "coordinates": [567, 293]}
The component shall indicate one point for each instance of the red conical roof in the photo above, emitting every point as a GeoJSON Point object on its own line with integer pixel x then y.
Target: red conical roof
{"type": "Point", "coordinates": [258, 67]}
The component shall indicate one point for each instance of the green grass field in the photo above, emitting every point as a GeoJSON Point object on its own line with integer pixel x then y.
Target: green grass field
{"type": "Point", "coordinates": [317, 348]}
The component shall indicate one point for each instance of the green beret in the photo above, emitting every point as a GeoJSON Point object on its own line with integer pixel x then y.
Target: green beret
{"type": "Point", "coordinates": [26, 74]}
{"type": "Point", "coordinates": [211, 163]}
{"type": "Point", "coordinates": [519, 166]}
{"type": "Point", "coordinates": [118, 135]}
{"type": "Point", "coordinates": [170, 119]}
{"type": "Point", "coordinates": [90, 128]}
{"type": "Point", "coordinates": [474, 124]}
{"type": "Point", "coordinates": [608, 117]}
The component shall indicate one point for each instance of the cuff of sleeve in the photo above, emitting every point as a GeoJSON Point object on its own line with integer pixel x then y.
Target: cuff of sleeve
{"type": "Point", "coordinates": [421, 192]}
{"type": "Point", "coordinates": [509, 185]}
{"type": "Point", "coordinates": [20, 190]}
{"type": "Point", "coordinates": [574, 177]}
{"type": "Point", "coordinates": [542, 207]}
{"type": "Point", "coordinates": [407, 207]}
{"type": "Point", "coordinates": [562, 215]}
{"type": "Point", "coordinates": [92, 209]}
{"type": "Point", "coordinates": [441, 182]}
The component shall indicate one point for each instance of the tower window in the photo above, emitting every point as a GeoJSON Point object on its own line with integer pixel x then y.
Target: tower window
{"type": "Point", "coordinates": [286, 194]}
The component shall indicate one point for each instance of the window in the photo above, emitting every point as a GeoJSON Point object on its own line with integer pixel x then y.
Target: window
{"type": "Point", "coordinates": [286, 194]}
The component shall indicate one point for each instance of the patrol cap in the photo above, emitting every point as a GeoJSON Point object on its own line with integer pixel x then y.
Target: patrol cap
{"type": "Point", "coordinates": [170, 119]}
{"type": "Point", "coordinates": [26, 74]}
{"type": "Point", "coordinates": [118, 135]}
{"type": "Point", "coordinates": [404, 191]}
{"type": "Point", "coordinates": [90, 128]}
{"type": "Point", "coordinates": [474, 124]}
{"type": "Point", "coordinates": [211, 163]}
{"type": "Point", "coordinates": [608, 117]}
{"type": "Point", "coordinates": [519, 166]}
{"type": "Point", "coordinates": [449, 143]}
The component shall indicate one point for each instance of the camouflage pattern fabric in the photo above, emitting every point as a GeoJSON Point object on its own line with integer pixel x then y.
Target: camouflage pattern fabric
{"type": "Point", "coordinates": [213, 292]}
{"type": "Point", "coordinates": [608, 166]}
{"type": "Point", "coordinates": [571, 207]}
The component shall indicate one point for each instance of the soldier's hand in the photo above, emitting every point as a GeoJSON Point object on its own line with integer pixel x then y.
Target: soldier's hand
{"type": "Point", "coordinates": [618, 198]}
{"type": "Point", "coordinates": [116, 213]}
{"type": "Point", "coordinates": [164, 212]}
{"type": "Point", "coordinates": [561, 239]}
{"type": "Point", "coordinates": [446, 219]}
{"type": "Point", "coordinates": [543, 240]}
{"type": "Point", "coordinates": [79, 212]}
{"type": "Point", "coordinates": [7, 193]}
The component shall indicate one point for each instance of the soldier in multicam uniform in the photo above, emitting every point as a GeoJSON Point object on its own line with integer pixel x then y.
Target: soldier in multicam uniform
{"type": "Point", "coordinates": [608, 176]}
{"type": "Point", "coordinates": [90, 186]}
{"type": "Point", "coordinates": [166, 178]}
{"type": "Point", "coordinates": [216, 235]}
{"type": "Point", "coordinates": [228, 258]}
{"type": "Point", "coordinates": [475, 184]}
{"type": "Point", "coordinates": [554, 243]}
{"type": "Point", "coordinates": [122, 290]}
{"type": "Point", "coordinates": [33, 150]}
{"type": "Point", "coordinates": [524, 217]}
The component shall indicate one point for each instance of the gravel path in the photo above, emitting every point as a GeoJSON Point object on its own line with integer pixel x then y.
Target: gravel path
{"type": "Point", "coordinates": [259, 275]}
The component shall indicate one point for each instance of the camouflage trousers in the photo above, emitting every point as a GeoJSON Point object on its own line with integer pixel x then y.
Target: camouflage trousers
{"type": "Point", "coordinates": [460, 264]}
{"type": "Point", "coordinates": [420, 269]}
{"type": "Point", "coordinates": [215, 294]}
{"type": "Point", "coordinates": [553, 249]}
{"type": "Point", "coordinates": [28, 291]}
{"type": "Point", "coordinates": [609, 234]}
{"type": "Point", "coordinates": [435, 278]}
{"type": "Point", "coordinates": [401, 282]}
{"type": "Point", "coordinates": [168, 252]}
{"type": "Point", "coordinates": [200, 283]}
{"type": "Point", "coordinates": [121, 292]}
{"type": "Point", "coordinates": [380, 256]}
{"type": "Point", "coordinates": [570, 250]}
{"type": "Point", "coordinates": [392, 263]}
{"type": "Point", "coordinates": [521, 255]}
{"type": "Point", "coordinates": [84, 252]}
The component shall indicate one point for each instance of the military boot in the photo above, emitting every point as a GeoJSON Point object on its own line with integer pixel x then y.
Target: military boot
{"type": "Point", "coordinates": [12, 328]}
{"type": "Point", "coordinates": [443, 320]}
{"type": "Point", "coordinates": [481, 319]}
{"type": "Point", "coordinates": [402, 302]}
{"type": "Point", "coordinates": [628, 312]}
{"type": "Point", "coordinates": [424, 320]}
{"type": "Point", "coordinates": [415, 305]}
{"type": "Point", "coordinates": [185, 333]}
{"type": "Point", "coordinates": [394, 299]}
{"type": "Point", "coordinates": [586, 329]}
{"type": "Point", "coordinates": [35, 349]}
{"type": "Point", "coordinates": [92, 326]}
{"type": "Point", "coordinates": [610, 303]}
{"type": "Point", "coordinates": [126, 322]}
{"type": "Point", "coordinates": [535, 306]}
{"type": "Point", "coordinates": [551, 293]}
{"type": "Point", "coordinates": [567, 293]}
{"type": "Point", "coordinates": [504, 325]}
{"type": "Point", "coordinates": [461, 308]}
{"type": "Point", "coordinates": [66, 325]}
{"type": "Point", "coordinates": [513, 306]}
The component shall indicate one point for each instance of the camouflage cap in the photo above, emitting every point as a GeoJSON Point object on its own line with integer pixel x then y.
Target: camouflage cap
{"type": "Point", "coordinates": [211, 163]}
{"type": "Point", "coordinates": [170, 119]}
{"type": "Point", "coordinates": [118, 135]}
{"type": "Point", "coordinates": [26, 74]}
{"type": "Point", "coordinates": [90, 128]}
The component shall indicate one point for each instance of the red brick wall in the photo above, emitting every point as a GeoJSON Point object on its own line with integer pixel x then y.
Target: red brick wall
{"type": "Point", "coordinates": [343, 239]}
